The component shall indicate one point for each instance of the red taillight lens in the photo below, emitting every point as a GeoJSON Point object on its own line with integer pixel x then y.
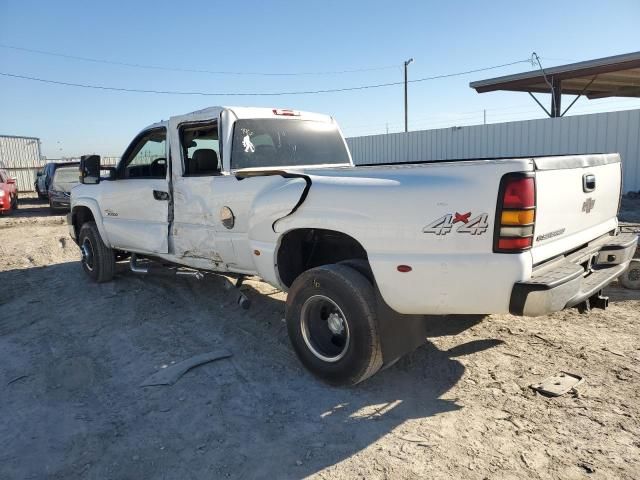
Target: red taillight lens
{"type": "Point", "coordinates": [507, 243]}
{"type": "Point", "coordinates": [515, 215]}
{"type": "Point", "coordinates": [519, 193]}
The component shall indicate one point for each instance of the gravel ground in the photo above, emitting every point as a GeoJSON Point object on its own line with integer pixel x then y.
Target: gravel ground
{"type": "Point", "coordinates": [73, 354]}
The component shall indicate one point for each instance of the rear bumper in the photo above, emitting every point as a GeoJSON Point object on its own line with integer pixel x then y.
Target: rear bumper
{"type": "Point", "coordinates": [570, 280]}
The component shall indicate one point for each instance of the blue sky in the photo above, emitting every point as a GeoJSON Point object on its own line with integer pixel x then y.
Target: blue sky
{"type": "Point", "coordinates": [287, 36]}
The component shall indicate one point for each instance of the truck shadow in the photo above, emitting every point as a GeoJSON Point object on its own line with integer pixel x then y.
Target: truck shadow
{"type": "Point", "coordinates": [85, 348]}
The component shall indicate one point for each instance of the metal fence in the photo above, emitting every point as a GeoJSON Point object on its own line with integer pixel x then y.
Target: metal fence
{"type": "Point", "coordinates": [610, 132]}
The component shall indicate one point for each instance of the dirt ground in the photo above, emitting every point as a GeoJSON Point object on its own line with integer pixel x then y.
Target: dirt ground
{"type": "Point", "coordinates": [73, 354]}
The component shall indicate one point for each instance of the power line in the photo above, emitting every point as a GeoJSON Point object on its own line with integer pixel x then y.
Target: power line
{"type": "Point", "coordinates": [255, 94]}
{"type": "Point", "coordinates": [193, 70]}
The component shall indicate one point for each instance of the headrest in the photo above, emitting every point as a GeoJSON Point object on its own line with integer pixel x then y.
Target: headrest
{"type": "Point", "coordinates": [206, 160]}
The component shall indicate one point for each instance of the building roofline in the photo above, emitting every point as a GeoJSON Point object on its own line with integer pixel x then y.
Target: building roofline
{"type": "Point", "coordinates": [19, 136]}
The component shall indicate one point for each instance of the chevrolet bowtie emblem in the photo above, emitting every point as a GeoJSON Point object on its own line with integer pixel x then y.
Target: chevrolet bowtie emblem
{"type": "Point", "coordinates": [588, 205]}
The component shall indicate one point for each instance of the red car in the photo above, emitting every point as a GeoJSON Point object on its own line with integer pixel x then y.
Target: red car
{"type": "Point", "coordinates": [8, 193]}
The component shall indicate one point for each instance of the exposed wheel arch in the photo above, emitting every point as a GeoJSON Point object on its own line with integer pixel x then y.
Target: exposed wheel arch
{"type": "Point", "coordinates": [79, 216]}
{"type": "Point", "coordinates": [306, 248]}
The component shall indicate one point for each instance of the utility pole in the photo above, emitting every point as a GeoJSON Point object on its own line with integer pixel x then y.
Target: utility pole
{"type": "Point", "coordinates": [485, 116]}
{"type": "Point", "coordinates": [406, 117]}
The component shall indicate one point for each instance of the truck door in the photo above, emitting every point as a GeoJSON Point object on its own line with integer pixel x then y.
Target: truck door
{"type": "Point", "coordinates": [135, 206]}
{"type": "Point", "coordinates": [197, 235]}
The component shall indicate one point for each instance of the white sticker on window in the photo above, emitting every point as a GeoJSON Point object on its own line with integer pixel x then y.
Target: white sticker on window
{"type": "Point", "coordinates": [248, 145]}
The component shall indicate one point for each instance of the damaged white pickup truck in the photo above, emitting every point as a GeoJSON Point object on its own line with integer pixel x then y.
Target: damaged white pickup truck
{"type": "Point", "coordinates": [363, 252]}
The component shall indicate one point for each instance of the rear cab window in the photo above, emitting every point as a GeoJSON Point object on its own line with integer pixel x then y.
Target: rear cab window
{"type": "Point", "coordinates": [277, 142]}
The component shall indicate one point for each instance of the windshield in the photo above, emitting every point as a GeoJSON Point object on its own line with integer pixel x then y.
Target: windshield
{"type": "Point", "coordinates": [67, 175]}
{"type": "Point", "coordinates": [277, 142]}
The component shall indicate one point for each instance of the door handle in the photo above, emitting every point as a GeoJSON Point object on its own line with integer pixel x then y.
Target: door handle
{"type": "Point", "coordinates": [160, 195]}
{"type": "Point", "coordinates": [588, 182]}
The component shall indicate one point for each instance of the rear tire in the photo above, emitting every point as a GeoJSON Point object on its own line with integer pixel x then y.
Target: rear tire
{"type": "Point", "coordinates": [332, 324]}
{"type": "Point", "coordinates": [361, 266]}
{"type": "Point", "coordinates": [98, 260]}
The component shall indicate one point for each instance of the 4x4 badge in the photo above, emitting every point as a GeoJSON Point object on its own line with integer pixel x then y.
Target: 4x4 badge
{"type": "Point", "coordinates": [588, 205]}
{"type": "Point", "coordinates": [473, 226]}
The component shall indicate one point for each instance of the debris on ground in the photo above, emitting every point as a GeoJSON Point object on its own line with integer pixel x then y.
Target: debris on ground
{"type": "Point", "coordinates": [558, 384]}
{"type": "Point", "coordinates": [587, 467]}
{"type": "Point", "coordinates": [16, 379]}
{"type": "Point", "coordinates": [170, 375]}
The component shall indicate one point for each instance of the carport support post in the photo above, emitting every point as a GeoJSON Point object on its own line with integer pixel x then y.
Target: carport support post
{"type": "Point", "coordinates": [556, 98]}
{"type": "Point", "coordinates": [406, 101]}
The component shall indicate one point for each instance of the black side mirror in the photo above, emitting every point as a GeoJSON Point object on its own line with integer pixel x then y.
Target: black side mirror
{"type": "Point", "coordinates": [90, 169]}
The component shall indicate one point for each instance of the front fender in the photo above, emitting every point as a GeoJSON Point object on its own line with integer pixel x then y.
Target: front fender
{"type": "Point", "coordinates": [92, 205]}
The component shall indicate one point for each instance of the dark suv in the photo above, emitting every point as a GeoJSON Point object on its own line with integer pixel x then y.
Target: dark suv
{"type": "Point", "coordinates": [45, 175]}
{"type": "Point", "coordinates": [65, 177]}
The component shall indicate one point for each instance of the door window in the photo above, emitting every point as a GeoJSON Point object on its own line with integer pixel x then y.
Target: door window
{"type": "Point", "coordinates": [200, 150]}
{"type": "Point", "coordinates": [147, 158]}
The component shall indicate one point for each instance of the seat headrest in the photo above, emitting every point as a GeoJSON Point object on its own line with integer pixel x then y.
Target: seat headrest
{"type": "Point", "coordinates": [206, 160]}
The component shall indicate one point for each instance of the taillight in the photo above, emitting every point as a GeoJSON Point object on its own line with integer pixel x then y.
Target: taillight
{"type": "Point", "coordinates": [515, 213]}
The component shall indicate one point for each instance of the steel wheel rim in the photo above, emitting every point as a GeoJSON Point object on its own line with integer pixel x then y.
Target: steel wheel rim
{"type": "Point", "coordinates": [325, 329]}
{"type": "Point", "coordinates": [87, 254]}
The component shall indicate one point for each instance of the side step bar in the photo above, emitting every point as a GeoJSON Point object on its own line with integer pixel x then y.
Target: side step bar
{"type": "Point", "coordinates": [154, 269]}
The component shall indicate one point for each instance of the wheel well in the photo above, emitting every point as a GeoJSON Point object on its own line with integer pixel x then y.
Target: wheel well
{"type": "Point", "coordinates": [307, 248]}
{"type": "Point", "coordinates": [79, 217]}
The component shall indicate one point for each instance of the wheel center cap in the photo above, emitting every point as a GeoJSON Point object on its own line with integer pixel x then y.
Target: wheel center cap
{"type": "Point", "coordinates": [335, 323]}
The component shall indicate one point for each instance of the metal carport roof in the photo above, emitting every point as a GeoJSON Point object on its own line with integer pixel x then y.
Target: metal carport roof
{"type": "Point", "coordinates": [617, 76]}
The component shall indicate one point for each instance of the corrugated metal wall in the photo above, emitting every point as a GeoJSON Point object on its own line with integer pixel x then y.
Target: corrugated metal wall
{"type": "Point", "coordinates": [20, 156]}
{"type": "Point", "coordinates": [610, 132]}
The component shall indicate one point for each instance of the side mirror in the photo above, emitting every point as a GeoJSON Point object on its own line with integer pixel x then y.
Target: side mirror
{"type": "Point", "coordinates": [39, 173]}
{"type": "Point", "coordinates": [90, 169]}
{"type": "Point", "coordinates": [11, 180]}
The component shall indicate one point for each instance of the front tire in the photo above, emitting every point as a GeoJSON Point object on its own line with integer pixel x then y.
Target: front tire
{"type": "Point", "coordinates": [332, 324]}
{"type": "Point", "coordinates": [98, 260]}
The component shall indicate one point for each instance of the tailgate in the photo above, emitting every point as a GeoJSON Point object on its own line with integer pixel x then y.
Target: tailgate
{"type": "Point", "coordinates": [577, 200]}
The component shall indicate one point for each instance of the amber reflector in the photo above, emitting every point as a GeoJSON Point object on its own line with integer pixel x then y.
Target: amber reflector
{"type": "Point", "coordinates": [517, 217]}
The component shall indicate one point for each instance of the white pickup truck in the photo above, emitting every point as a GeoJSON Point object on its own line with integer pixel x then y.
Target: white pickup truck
{"type": "Point", "coordinates": [363, 252]}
